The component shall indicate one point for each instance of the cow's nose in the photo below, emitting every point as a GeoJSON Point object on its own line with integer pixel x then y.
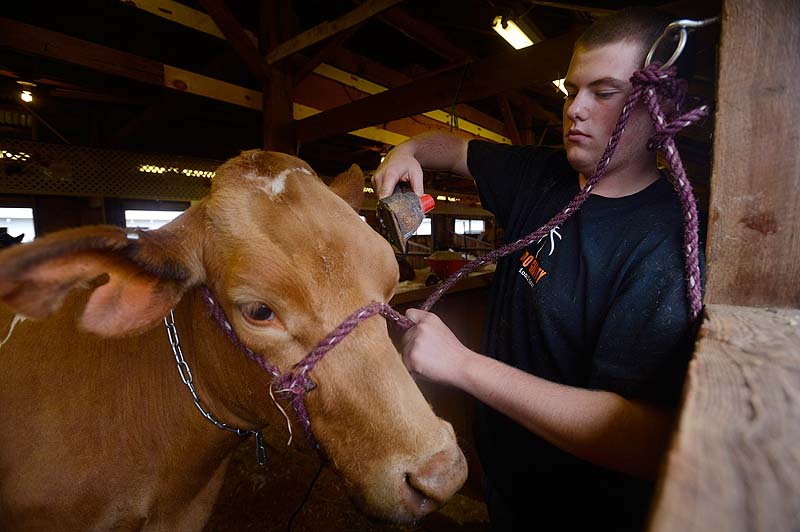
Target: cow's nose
{"type": "Point", "coordinates": [435, 481]}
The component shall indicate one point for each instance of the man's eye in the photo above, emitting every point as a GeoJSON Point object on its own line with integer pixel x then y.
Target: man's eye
{"type": "Point", "coordinates": [257, 312]}
{"type": "Point", "coordinates": [606, 95]}
{"type": "Point", "coordinates": [569, 96]}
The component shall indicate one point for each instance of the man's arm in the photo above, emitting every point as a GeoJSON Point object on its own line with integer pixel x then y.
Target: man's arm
{"type": "Point", "coordinates": [598, 426]}
{"type": "Point", "coordinates": [435, 151]}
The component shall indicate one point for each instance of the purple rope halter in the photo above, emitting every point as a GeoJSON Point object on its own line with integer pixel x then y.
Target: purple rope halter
{"type": "Point", "coordinates": [297, 382]}
{"type": "Point", "coordinates": [648, 85]}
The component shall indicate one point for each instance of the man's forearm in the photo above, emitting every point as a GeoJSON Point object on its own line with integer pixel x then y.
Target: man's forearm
{"type": "Point", "coordinates": [438, 150]}
{"type": "Point", "coordinates": [598, 426]}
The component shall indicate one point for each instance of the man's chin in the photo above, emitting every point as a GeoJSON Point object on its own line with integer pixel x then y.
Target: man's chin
{"type": "Point", "coordinates": [580, 163]}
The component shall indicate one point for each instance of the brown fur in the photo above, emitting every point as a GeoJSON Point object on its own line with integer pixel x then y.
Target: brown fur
{"type": "Point", "coordinates": [96, 430]}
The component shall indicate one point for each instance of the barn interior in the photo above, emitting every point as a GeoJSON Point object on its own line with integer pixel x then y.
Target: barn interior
{"type": "Point", "coordinates": [119, 111]}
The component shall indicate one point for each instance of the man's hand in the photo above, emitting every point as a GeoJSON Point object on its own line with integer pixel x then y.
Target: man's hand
{"type": "Point", "coordinates": [431, 350]}
{"type": "Point", "coordinates": [398, 165]}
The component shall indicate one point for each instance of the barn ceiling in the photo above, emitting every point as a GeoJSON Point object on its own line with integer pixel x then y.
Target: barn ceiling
{"type": "Point", "coordinates": [345, 79]}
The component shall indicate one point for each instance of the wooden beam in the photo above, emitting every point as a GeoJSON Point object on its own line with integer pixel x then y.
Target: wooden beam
{"type": "Point", "coordinates": [508, 117]}
{"type": "Point", "coordinates": [339, 57]}
{"type": "Point", "coordinates": [236, 36]}
{"type": "Point", "coordinates": [177, 12]}
{"type": "Point", "coordinates": [426, 34]}
{"type": "Point", "coordinates": [329, 29]}
{"type": "Point", "coordinates": [374, 71]}
{"type": "Point", "coordinates": [734, 464]}
{"type": "Point", "coordinates": [364, 87]}
{"type": "Point", "coordinates": [323, 55]}
{"type": "Point", "coordinates": [754, 230]}
{"type": "Point", "coordinates": [278, 120]}
{"type": "Point", "coordinates": [490, 76]}
{"type": "Point", "coordinates": [573, 7]}
{"type": "Point", "coordinates": [41, 42]}
{"type": "Point", "coordinates": [323, 93]}
{"type": "Point", "coordinates": [46, 43]}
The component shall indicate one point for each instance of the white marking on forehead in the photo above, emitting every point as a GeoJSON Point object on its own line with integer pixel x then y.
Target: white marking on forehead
{"type": "Point", "coordinates": [18, 318]}
{"type": "Point", "coordinates": [274, 185]}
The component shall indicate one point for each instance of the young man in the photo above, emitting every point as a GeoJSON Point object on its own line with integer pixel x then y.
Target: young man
{"type": "Point", "coordinates": [588, 334]}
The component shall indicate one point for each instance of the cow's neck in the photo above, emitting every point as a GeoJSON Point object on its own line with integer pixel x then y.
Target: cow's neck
{"type": "Point", "coordinates": [230, 385]}
{"type": "Point", "coordinates": [115, 414]}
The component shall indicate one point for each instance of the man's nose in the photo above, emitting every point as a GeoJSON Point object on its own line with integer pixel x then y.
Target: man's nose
{"type": "Point", "coordinates": [576, 109]}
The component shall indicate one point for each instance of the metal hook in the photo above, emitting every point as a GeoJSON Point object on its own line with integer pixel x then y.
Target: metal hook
{"type": "Point", "coordinates": [682, 26]}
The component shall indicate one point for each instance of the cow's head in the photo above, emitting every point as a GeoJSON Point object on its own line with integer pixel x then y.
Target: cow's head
{"type": "Point", "coordinates": [288, 259]}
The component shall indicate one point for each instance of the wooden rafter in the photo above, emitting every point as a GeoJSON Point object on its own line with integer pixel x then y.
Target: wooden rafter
{"type": "Point", "coordinates": [333, 54]}
{"type": "Point", "coordinates": [508, 117]}
{"type": "Point", "coordinates": [329, 29]}
{"type": "Point", "coordinates": [39, 41]}
{"type": "Point", "coordinates": [573, 7]}
{"type": "Point", "coordinates": [324, 54]}
{"type": "Point", "coordinates": [236, 36]}
{"type": "Point", "coordinates": [487, 77]}
{"type": "Point", "coordinates": [363, 66]}
{"type": "Point", "coordinates": [424, 33]}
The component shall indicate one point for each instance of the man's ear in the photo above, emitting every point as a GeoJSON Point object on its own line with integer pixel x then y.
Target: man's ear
{"type": "Point", "coordinates": [349, 186]}
{"type": "Point", "coordinates": [134, 277]}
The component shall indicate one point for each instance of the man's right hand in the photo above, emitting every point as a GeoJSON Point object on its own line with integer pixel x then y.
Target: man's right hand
{"type": "Point", "coordinates": [398, 165]}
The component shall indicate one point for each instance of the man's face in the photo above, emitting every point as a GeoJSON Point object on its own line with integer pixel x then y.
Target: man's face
{"type": "Point", "coordinates": [597, 84]}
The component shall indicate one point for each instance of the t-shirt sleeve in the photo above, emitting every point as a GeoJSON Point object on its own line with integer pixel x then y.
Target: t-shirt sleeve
{"type": "Point", "coordinates": [500, 172]}
{"type": "Point", "coordinates": [646, 340]}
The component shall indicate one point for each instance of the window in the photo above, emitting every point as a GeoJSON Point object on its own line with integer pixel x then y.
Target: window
{"type": "Point", "coordinates": [424, 228]}
{"type": "Point", "coordinates": [148, 219]}
{"type": "Point", "coordinates": [16, 221]}
{"type": "Point", "coordinates": [469, 227]}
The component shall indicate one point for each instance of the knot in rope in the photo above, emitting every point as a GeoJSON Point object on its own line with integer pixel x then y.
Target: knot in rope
{"type": "Point", "coordinates": [657, 84]}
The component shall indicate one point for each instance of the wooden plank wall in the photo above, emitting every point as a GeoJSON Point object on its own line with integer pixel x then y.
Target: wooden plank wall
{"type": "Point", "coordinates": [754, 225]}
{"type": "Point", "coordinates": [734, 464]}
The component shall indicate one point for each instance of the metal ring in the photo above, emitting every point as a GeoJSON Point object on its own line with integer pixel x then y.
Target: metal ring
{"type": "Point", "coordinates": [683, 25]}
{"type": "Point", "coordinates": [678, 49]}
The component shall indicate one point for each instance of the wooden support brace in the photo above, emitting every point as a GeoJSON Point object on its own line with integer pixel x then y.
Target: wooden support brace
{"type": "Point", "coordinates": [536, 64]}
{"type": "Point", "coordinates": [328, 29]}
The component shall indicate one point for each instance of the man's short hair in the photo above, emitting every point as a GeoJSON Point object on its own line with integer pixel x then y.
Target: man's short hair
{"type": "Point", "coordinates": [641, 25]}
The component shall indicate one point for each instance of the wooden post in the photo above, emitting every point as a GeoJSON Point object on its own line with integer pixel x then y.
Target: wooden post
{"type": "Point", "coordinates": [754, 226]}
{"type": "Point", "coordinates": [277, 93]}
{"type": "Point", "coordinates": [734, 464]}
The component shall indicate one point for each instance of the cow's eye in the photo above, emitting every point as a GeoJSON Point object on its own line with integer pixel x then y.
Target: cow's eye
{"type": "Point", "coordinates": [257, 312]}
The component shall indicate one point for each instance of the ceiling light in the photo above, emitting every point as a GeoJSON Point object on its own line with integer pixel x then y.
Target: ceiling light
{"type": "Point", "coordinates": [512, 32]}
{"type": "Point", "coordinates": [559, 83]}
{"type": "Point", "coordinates": [25, 94]}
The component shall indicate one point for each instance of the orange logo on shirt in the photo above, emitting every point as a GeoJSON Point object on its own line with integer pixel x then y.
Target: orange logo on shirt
{"type": "Point", "coordinates": [531, 269]}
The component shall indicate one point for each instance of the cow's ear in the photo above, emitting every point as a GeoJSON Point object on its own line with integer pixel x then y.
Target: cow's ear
{"type": "Point", "coordinates": [349, 186]}
{"type": "Point", "coordinates": [134, 277]}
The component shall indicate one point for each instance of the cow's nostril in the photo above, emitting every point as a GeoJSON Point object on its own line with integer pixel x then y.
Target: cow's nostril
{"type": "Point", "coordinates": [417, 500]}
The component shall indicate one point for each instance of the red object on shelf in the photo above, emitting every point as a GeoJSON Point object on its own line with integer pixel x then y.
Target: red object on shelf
{"type": "Point", "coordinates": [444, 268]}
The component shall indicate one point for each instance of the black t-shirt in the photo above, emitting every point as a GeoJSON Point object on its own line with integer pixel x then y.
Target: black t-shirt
{"type": "Point", "coordinates": [599, 303]}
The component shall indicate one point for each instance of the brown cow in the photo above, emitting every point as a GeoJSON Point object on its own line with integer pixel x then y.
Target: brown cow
{"type": "Point", "coordinates": [97, 431]}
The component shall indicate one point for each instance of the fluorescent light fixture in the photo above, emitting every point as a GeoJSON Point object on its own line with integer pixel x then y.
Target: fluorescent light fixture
{"type": "Point", "coordinates": [559, 83]}
{"type": "Point", "coordinates": [511, 32]}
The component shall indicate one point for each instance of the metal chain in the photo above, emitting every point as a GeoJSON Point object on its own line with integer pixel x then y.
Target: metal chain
{"type": "Point", "coordinates": [186, 377]}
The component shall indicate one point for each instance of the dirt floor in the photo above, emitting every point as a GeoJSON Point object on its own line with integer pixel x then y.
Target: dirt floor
{"type": "Point", "coordinates": [263, 499]}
